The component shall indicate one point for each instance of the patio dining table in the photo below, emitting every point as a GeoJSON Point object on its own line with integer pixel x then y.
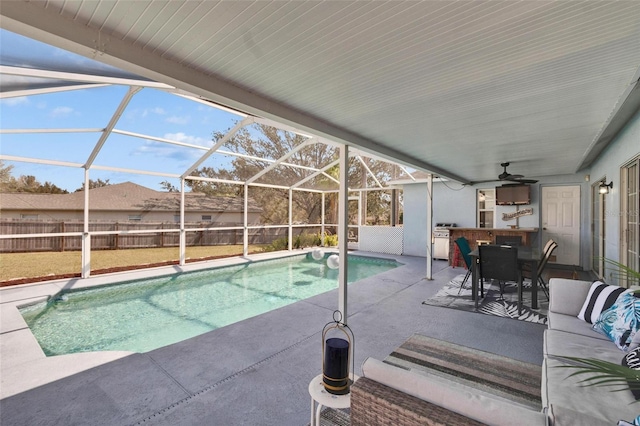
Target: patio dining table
{"type": "Point", "coordinates": [526, 255]}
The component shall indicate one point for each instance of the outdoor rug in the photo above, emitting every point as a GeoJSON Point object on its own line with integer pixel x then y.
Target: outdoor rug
{"type": "Point", "coordinates": [492, 303]}
{"type": "Point", "coordinates": [508, 378]}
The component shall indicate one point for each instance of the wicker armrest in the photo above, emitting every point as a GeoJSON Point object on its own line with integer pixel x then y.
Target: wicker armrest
{"type": "Point", "coordinates": [373, 403]}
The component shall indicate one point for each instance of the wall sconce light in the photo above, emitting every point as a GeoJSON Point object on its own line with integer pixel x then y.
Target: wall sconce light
{"type": "Point", "coordinates": [604, 187]}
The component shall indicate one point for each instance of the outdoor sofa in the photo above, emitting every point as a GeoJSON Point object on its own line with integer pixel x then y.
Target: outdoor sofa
{"type": "Point", "coordinates": [387, 394]}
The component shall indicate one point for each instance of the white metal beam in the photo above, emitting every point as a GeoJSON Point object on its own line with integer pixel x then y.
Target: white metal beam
{"type": "Point", "coordinates": [40, 161]}
{"type": "Point", "coordinates": [245, 221]}
{"type": "Point", "coordinates": [85, 78]}
{"type": "Point", "coordinates": [47, 90]}
{"type": "Point", "coordinates": [320, 172]}
{"type": "Point", "coordinates": [32, 131]}
{"type": "Point", "coordinates": [206, 102]}
{"type": "Point", "coordinates": [218, 144]}
{"type": "Point", "coordinates": [280, 160]}
{"type": "Point", "coordinates": [369, 171]}
{"type": "Point", "coordinates": [112, 123]}
{"type": "Point", "coordinates": [429, 226]}
{"type": "Point", "coordinates": [343, 232]}
{"type": "Point", "coordinates": [157, 139]}
{"type": "Point", "coordinates": [183, 234]}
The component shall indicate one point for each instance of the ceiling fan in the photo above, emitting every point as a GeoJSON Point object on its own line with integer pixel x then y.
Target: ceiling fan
{"type": "Point", "coordinates": [506, 176]}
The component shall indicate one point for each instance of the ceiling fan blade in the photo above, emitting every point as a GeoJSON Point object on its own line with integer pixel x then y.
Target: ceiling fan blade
{"type": "Point", "coordinates": [520, 180]}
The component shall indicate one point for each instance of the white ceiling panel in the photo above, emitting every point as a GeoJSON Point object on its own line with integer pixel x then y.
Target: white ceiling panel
{"type": "Point", "coordinates": [496, 80]}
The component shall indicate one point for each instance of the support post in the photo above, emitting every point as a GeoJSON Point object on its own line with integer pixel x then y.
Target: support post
{"type": "Point", "coordinates": [394, 207]}
{"type": "Point", "coordinates": [245, 220]}
{"type": "Point", "coordinates": [322, 221]}
{"type": "Point", "coordinates": [343, 209]}
{"type": "Point", "coordinates": [290, 219]}
{"type": "Point", "coordinates": [429, 227]}
{"type": "Point", "coordinates": [86, 237]}
{"type": "Point", "coordinates": [183, 233]}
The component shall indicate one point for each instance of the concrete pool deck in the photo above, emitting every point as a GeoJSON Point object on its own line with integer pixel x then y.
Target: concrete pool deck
{"type": "Point", "coordinates": [256, 371]}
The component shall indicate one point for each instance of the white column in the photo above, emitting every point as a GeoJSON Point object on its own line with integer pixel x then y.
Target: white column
{"type": "Point", "coordinates": [245, 234]}
{"type": "Point", "coordinates": [343, 208]}
{"type": "Point", "coordinates": [86, 238]}
{"type": "Point", "coordinates": [183, 233]}
{"type": "Point", "coordinates": [290, 219]}
{"type": "Point", "coordinates": [429, 226]}
{"type": "Point", "coordinates": [322, 222]}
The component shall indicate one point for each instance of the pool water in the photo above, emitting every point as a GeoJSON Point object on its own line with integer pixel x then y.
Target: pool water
{"type": "Point", "coordinates": [147, 314]}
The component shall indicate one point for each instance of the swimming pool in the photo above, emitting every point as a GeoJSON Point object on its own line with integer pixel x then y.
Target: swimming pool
{"type": "Point", "coordinates": [142, 315]}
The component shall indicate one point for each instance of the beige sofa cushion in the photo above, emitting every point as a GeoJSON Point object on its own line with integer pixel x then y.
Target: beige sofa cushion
{"type": "Point", "coordinates": [453, 396]}
{"type": "Point", "coordinates": [572, 324]}
{"type": "Point", "coordinates": [567, 296]}
{"type": "Point", "coordinates": [574, 404]}
{"type": "Point", "coordinates": [563, 344]}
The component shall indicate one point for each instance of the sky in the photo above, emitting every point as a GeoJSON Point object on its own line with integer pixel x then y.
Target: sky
{"type": "Point", "coordinates": [150, 112]}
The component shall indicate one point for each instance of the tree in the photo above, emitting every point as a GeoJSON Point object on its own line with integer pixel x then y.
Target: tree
{"type": "Point", "coordinates": [5, 174]}
{"type": "Point", "coordinates": [270, 143]}
{"type": "Point", "coordinates": [168, 186]}
{"type": "Point", "coordinates": [98, 183]}
{"type": "Point", "coordinates": [25, 183]}
{"type": "Point", "coordinates": [259, 142]}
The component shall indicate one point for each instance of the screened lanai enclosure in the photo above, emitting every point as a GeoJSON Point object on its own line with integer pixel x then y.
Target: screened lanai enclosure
{"type": "Point", "coordinates": [171, 171]}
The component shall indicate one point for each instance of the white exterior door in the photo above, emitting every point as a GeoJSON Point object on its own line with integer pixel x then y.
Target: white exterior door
{"type": "Point", "coordinates": [561, 221]}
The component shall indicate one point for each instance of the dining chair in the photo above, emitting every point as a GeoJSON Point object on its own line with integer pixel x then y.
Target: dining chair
{"type": "Point", "coordinates": [465, 249]}
{"type": "Point", "coordinates": [500, 263]}
{"type": "Point", "coordinates": [526, 268]}
{"type": "Point", "coordinates": [508, 240]}
{"type": "Point", "coordinates": [550, 247]}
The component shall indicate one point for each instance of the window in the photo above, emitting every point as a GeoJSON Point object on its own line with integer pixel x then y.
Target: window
{"type": "Point", "coordinates": [486, 207]}
{"type": "Point", "coordinates": [135, 217]}
{"type": "Point", "coordinates": [206, 218]}
{"type": "Point", "coordinates": [29, 216]}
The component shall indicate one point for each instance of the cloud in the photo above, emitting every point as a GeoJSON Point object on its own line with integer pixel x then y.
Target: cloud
{"type": "Point", "coordinates": [193, 140]}
{"type": "Point", "coordinates": [182, 154]}
{"type": "Point", "coordinates": [156, 110]}
{"type": "Point", "coordinates": [177, 119]}
{"type": "Point", "coordinates": [20, 100]}
{"type": "Point", "coordinates": [61, 111]}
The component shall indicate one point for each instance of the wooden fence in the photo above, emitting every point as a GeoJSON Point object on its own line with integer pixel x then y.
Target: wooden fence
{"type": "Point", "coordinates": [161, 238]}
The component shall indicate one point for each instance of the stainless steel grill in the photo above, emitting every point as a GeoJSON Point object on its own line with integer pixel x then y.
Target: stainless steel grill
{"type": "Point", "coordinates": [441, 240]}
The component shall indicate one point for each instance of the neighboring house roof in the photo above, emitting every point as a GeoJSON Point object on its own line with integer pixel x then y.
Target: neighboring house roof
{"type": "Point", "coordinates": [125, 196]}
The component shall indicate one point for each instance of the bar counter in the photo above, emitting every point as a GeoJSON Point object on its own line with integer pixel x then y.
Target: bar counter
{"type": "Point", "coordinates": [477, 236]}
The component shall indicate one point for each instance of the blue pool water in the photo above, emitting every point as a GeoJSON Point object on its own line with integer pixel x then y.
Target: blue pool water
{"type": "Point", "coordinates": [147, 314]}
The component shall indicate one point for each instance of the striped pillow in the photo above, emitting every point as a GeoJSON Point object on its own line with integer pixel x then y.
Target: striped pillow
{"type": "Point", "coordinates": [600, 298]}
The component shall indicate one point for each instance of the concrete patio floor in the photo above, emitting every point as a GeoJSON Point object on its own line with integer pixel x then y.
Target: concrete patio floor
{"type": "Point", "coordinates": [255, 372]}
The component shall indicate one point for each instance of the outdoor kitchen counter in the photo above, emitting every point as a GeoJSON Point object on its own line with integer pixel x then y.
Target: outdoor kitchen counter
{"type": "Point", "coordinates": [477, 236]}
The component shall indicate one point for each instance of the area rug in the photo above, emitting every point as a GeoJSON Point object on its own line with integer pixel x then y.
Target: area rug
{"type": "Point", "coordinates": [493, 303]}
{"type": "Point", "coordinates": [508, 378]}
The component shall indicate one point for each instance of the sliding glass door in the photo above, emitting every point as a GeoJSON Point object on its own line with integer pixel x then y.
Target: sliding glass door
{"type": "Point", "coordinates": [630, 209]}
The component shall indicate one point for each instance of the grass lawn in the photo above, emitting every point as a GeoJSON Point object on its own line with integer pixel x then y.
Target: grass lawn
{"type": "Point", "coordinates": [31, 265]}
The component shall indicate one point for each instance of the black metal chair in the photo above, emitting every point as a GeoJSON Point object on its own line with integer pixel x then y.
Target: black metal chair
{"type": "Point", "coordinates": [508, 240]}
{"type": "Point", "coordinates": [547, 252]}
{"type": "Point", "coordinates": [500, 263]}
{"type": "Point", "coordinates": [463, 246]}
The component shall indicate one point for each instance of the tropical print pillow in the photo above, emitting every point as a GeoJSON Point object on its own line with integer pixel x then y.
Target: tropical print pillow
{"type": "Point", "coordinates": [621, 321]}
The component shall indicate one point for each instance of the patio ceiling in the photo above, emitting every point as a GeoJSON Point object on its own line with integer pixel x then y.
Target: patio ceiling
{"type": "Point", "coordinates": [454, 88]}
